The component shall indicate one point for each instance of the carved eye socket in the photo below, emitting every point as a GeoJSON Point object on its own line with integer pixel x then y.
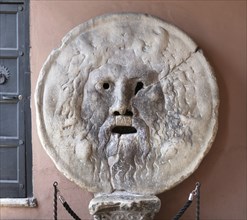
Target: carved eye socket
{"type": "Point", "coordinates": [103, 86]}
{"type": "Point", "coordinates": [106, 85]}
{"type": "Point", "coordinates": [138, 87]}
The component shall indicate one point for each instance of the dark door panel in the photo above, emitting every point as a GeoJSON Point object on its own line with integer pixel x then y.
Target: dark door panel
{"type": "Point", "coordinates": [12, 101]}
{"type": "Point", "coordinates": [9, 115]}
{"type": "Point", "coordinates": [8, 164]}
{"type": "Point", "coordinates": [9, 26]}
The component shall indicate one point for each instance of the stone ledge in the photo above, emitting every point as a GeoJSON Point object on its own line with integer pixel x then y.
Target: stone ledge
{"type": "Point", "coordinates": [122, 205]}
{"type": "Point", "coordinates": [19, 202]}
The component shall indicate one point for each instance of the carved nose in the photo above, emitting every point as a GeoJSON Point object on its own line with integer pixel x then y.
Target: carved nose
{"type": "Point", "coordinates": [122, 97]}
{"type": "Point", "coordinates": [120, 107]}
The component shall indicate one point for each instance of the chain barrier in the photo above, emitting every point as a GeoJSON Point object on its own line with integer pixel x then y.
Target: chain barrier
{"type": "Point", "coordinates": [55, 201]}
{"type": "Point", "coordinates": [193, 194]}
{"type": "Point", "coordinates": [64, 203]}
{"type": "Point", "coordinates": [198, 201]}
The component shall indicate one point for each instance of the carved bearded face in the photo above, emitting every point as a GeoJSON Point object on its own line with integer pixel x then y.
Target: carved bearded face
{"type": "Point", "coordinates": [123, 99]}
{"type": "Point", "coordinates": [127, 103]}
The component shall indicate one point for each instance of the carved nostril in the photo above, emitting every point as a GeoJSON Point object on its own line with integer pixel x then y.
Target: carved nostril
{"type": "Point", "coordinates": [126, 113]}
{"type": "Point", "coordinates": [116, 113]}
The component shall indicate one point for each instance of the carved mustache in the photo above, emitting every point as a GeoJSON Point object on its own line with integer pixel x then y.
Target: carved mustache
{"type": "Point", "coordinates": [123, 125]}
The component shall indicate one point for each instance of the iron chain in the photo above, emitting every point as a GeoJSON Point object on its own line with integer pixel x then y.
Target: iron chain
{"type": "Point", "coordinates": [64, 203]}
{"type": "Point", "coordinates": [55, 201]}
{"type": "Point", "coordinates": [194, 193]}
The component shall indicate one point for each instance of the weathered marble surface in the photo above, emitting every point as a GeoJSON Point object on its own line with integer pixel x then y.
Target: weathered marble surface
{"type": "Point", "coordinates": [127, 103]}
{"type": "Point", "coordinates": [123, 206]}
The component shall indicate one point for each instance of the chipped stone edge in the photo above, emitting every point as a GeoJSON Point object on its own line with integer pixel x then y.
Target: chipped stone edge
{"type": "Point", "coordinates": [124, 202]}
{"type": "Point", "coordinates": [19, 202]}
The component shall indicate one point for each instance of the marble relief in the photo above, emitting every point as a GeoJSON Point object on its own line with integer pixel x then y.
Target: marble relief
{"type": "Point", "coordinates": [127, 103]}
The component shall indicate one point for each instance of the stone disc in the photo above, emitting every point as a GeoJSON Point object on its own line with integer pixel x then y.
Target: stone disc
{"type": "Point", "coordinates": [128, 103]}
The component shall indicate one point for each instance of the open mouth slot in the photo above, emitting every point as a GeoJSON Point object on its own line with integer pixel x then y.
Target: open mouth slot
{"type": "Point", "coordinates": [124, 130]}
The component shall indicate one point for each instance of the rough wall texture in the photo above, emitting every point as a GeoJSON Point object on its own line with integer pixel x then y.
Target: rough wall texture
{"type": "Point", "coordinates": [219, 27]}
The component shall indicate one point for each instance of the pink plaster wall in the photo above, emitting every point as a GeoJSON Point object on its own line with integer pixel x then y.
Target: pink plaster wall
{"type": "Point", "coordinates": [219, 27]}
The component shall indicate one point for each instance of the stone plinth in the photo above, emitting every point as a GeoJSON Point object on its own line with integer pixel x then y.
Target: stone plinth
{"type": "Point", "coordinates": [123, 206]}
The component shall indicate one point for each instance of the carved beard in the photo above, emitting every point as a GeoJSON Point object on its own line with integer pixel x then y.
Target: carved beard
{"type": "Point", "coordinates": [125, 155]}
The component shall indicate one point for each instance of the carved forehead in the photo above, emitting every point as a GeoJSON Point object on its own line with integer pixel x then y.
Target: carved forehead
{"type": "Point", "coordinates": [125, 32]}
{"type": "Point", "coordinates": [116, 71]}
{"type": "Point", "coordinates": [159, 45]}
{"type": "Point", "coordinates": [124, 42]}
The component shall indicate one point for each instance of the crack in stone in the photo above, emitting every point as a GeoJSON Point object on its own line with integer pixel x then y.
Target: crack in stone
{"type": "Point", "coordinates": [175, 67]}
